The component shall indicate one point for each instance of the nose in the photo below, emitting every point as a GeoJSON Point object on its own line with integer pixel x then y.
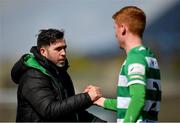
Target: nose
{"type": "Point", "coordinates": [63, 52]}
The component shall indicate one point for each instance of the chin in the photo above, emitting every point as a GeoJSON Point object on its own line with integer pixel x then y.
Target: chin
{"type": "Point", "coordinates": [61, 64]}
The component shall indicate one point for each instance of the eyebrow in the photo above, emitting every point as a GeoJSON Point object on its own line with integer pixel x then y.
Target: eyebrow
{"type": "Point", "coordinates": [63, 47]}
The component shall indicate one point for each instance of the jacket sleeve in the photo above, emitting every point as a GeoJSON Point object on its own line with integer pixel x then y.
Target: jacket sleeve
{"type": "Point", "coordinates": [38, 92]}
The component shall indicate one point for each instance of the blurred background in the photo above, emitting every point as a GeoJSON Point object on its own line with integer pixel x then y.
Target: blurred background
{"type": "Point", "coordinates": [93, 51]}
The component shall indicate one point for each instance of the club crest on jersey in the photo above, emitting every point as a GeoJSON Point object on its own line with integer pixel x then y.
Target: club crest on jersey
{"type": "Point", "coordinates": [136, 68]}
{"type": "Point", "coordinates": [152, 62]}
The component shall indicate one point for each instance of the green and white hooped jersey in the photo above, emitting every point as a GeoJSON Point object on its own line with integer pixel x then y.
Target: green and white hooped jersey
{"type": "Point", "coordinates": [140, 67]}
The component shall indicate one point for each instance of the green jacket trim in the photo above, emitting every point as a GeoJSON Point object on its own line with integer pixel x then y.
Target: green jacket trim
{"type": "Point", "coordinates": [30, 61]}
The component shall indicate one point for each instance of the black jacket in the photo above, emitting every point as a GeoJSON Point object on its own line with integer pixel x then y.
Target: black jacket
{"type": "Point", "coordinates": [46, 92]}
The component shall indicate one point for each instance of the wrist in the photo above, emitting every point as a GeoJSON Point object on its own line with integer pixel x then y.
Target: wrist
{"type": "Point", "coordinates": [103, 101]}
{"type": "Point", "coordinates": [100, 101]}
{"type": "Point", "coordinates": [88, 97]}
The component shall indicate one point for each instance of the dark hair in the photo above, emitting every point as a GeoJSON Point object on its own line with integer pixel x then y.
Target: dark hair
{"type": "Point", "coordinates": [46, 37]}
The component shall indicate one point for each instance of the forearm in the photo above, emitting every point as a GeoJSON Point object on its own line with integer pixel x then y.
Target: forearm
{"type": "Point", "coordinates": [110, 104]}
{"type": "Point", "coordinates": [70, 105]}
{"type": "Point", "coordinates": [135, 107]}
{"type": "Point", "coordinates": [40, 96]}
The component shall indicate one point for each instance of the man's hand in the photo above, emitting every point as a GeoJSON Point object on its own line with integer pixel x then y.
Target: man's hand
{"type": "Point", "coordinates": [94, 92]}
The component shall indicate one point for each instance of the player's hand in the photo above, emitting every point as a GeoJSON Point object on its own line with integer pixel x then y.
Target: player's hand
{"type": "Point", "coordinates": [100, 101]}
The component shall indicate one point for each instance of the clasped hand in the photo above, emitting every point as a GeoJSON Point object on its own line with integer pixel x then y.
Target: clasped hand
{"type": "Point", "coordinates": [94, 92]}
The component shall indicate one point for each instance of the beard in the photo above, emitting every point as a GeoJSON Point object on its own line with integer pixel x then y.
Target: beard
{"type": "Point", "coordinates": [60, 64]}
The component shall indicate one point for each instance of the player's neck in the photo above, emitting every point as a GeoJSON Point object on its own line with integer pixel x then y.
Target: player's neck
{"type": "Point", "coordinates": [131, 42]}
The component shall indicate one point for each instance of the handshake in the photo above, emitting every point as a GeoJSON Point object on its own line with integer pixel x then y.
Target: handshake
{"type": "Point", "coordinates": [95, 94]}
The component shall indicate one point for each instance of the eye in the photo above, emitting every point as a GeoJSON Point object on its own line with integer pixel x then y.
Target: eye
{"type": "Point", "coordinates": [60, 48]}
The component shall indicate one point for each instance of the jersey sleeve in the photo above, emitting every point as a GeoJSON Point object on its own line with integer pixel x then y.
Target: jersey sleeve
{"type": "Point", "coordinates": [137, 92]}
{"type": "Point", "coordinates": [110, 104]}
{"type": "Point", "coordinates": [136, 69]}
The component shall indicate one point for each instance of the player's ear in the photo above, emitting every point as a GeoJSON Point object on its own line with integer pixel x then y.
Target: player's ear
{"type": "Point", "coordinates": [123, 29]}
